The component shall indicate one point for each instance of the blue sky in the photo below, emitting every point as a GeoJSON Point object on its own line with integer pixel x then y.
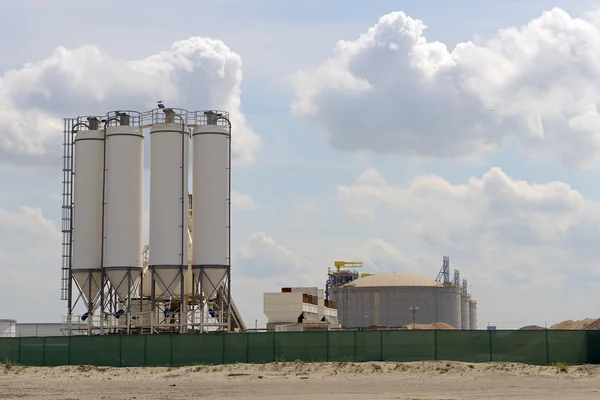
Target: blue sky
{"type": "Point", "coordinates": [428, 186]}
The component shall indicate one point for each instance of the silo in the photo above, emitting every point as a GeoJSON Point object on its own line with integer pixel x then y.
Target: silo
{"type": "Point", "coordinates": [385, 300]}
{"type": "Point", "coordinates": [86, 263]}
{"type": "Point", "coordinates": [168, 225]}
{"type": "Point", "coordinates": [210, 202]}
{"type": "Point", "coordinates": [473, 314]}
{"type": "Point", "coordinates": [123, 210]}
{"type": "Point", "coordinates": [465, 312]}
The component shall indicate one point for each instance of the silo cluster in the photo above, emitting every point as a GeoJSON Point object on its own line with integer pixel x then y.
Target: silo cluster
{"type": "Point", "coordinates": [106, 260]}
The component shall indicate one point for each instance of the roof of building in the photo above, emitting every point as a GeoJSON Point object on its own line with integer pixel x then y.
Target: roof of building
{"type": "Point", "coordinates": [379, 280]}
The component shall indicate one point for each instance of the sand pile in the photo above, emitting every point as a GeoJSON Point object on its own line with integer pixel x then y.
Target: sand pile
{"type": "Point", "coordinates": [584, 324]}
{"type": "Point", "coordinates": [299, 380]}
{"type": "Point", "coordinates": [435, 325]}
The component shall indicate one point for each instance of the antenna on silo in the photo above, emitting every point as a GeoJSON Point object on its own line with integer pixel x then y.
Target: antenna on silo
{"type": "Point", "coordinates": [444, 274]}
{"type": "Point", "coordinates": [464, 286]}
{"type": "Point", "coordinates": [456, 280]}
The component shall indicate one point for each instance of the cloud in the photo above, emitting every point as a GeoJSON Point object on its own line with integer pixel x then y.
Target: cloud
{"type": "Point", "coordinates": [309, 206]}
{"type": "Point", "coordinates": [517, 242]}
{"type": "Point", "coordinates": [30, 263]}
{"type": "Point", "coordinates": [379, 256]}
{"type": "Point", "coordinates": [243, 202]}
{"type": "Point", "coordinates": [196, 73]}
{"type": "Point", "coordinates": [260, 265]}
{"type": "Point", "coordinates": [392, 91]}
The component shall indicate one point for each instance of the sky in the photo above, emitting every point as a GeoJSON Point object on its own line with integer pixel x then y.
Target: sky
{"type": "Point", "coordinates": [388, 132]}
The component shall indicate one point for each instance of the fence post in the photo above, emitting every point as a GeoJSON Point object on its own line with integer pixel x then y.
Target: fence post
{"type": "Point", "coordinates": [354, 347]}
{"type": "Point", "coordinates": [223, 348]}
{"type": "Point", "coordinates": [327, 350]}
{"type": "Point", "coordinates": [380, 345]}
{"type": "Point", "coordinates": [547, 348]}
{"type": "Point", "coordinates": [247, 347]}
{"type": "Point", "coordinates": [19, 350]}
{"type": "Point", "coordinates": [491, 350]}
{"type": "Point", "coordinates": [69, 351]}
{"type": "Point", "coordinates": [273, 352]}
{"type": "Point", "coordinates": [170, 349]}
{"type": "Point", "coordinates": [43, 351]}
{"type": "Point", "coordinates": [145, 350]}
{"type": "Point", "coordinates": [121, 350]}
{"type": "Point", "coordinates": [435, 344]}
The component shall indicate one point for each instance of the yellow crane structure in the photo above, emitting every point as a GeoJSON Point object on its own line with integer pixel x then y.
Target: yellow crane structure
{"type": "Point", "coordinates": [344, 272]}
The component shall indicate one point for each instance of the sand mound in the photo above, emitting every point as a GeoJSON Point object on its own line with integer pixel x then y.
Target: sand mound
{"type": "Point", "coordinates": [584, 324]}
{"type": "Point", "coordinates": [532, 328]}
{"type": "Point", "coordinates": [435, 325]}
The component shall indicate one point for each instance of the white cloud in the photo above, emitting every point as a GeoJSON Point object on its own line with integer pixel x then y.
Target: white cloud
{"type": "Point", "coordinates": [196, 73]}
{"type": "Point", "coordinates": [379, 256]}
{"type": "Point", "coordinates": [392, 91]}
{"type": "Point", "coordinates": [528, 249]}
{"type": "Point", "coordinates": [30, 266]}
{"type": "Point", "coordinates": [260, 265]}
{"type": "Point", "coordinates": [309, 206]}
{"type": "Point", "coordinates": [243, 202]}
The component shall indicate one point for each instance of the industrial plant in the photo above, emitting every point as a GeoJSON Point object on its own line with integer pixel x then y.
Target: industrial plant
{"type": "Point", "coordinates": [180, 281]}
{"type": "Point", "coordinates": [399, 300]}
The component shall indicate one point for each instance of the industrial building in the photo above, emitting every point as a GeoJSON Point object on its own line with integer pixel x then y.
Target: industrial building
{"type": "Point", "coordinates": [397, 300]}
{"type": "Point", "coordinates": [180, 281]}
{"type": "Point", "coordinates": [13, 328]}
{"type": "Point", "coordinates": [8, 328]}
{"type": "Point", "coordinates": [299, 309]}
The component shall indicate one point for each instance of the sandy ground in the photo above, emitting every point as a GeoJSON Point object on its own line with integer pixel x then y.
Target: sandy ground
{"type": "Point", "coordinates": [296, 380]}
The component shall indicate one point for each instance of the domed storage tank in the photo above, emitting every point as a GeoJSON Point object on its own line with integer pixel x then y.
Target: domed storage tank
{"type": "Point", "coordinates": [465, 312]}
{"type": "Point", "coordinates": [385, 299]}
{"type": "Point", "coordinates": [473, 314]}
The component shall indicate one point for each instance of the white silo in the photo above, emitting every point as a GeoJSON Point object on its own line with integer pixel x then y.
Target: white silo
{"type": "Point", "coordinates": [465, 322]}
{"type": "Point", "coordinates": [473, 314]}
{"type": "Point", "coordinates": [123, 210]}
{"type": "Point", "coordinates": [168, 225]}
{"type": "Point", "coordinates": [86, 263]}
{"type": "Point", "coordinates": [210, 201]}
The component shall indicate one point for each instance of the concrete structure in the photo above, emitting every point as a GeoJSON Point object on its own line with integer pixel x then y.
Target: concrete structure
{"type": "Point", "coordinates": [124, 207]}
{"type": "Point", "coordinates": [297, 309]}
{"type": "Point", "coordinates": [210, 178]}
{"type": "Point", "coordinates": [7, 328]}
{"type": "Point", "coordinates": [169, 207]}
{"type": "Point", "coordinates": [384, 300]}
{"type": "Point", "coordinates": [465, 319]}
{"type": "Point", "coordinates": [473, 314]}
{"type": "Point", "coordinates": [179, 282]}
{"type": "Point", "coordinates": [87, 216]}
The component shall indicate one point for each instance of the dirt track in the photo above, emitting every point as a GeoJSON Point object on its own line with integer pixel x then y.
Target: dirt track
{"type": "Point", "coordinates": [422, 380]}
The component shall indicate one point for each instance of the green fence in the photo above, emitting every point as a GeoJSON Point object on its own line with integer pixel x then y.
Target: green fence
{"type": "Point", "coordinates": [532, 347]}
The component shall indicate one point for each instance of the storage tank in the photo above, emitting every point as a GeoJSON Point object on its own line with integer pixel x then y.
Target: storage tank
{"type": "Point", "coordinates": [465, 312]}
{"type": "Point", "coordinates": [123, 210]}
{"type": "Point", "coordinates": [8, 328]}
{"type": "Point", "coordinates": [473, 314]}
{"type": "Point", "coordinates": [384, 300]}
{"type": "Point", "coordinates": [86, 262]}
{"type": "Point", "coordinates": [168, 225]}
{"type": "Point", "coordinates": [210, 201]}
